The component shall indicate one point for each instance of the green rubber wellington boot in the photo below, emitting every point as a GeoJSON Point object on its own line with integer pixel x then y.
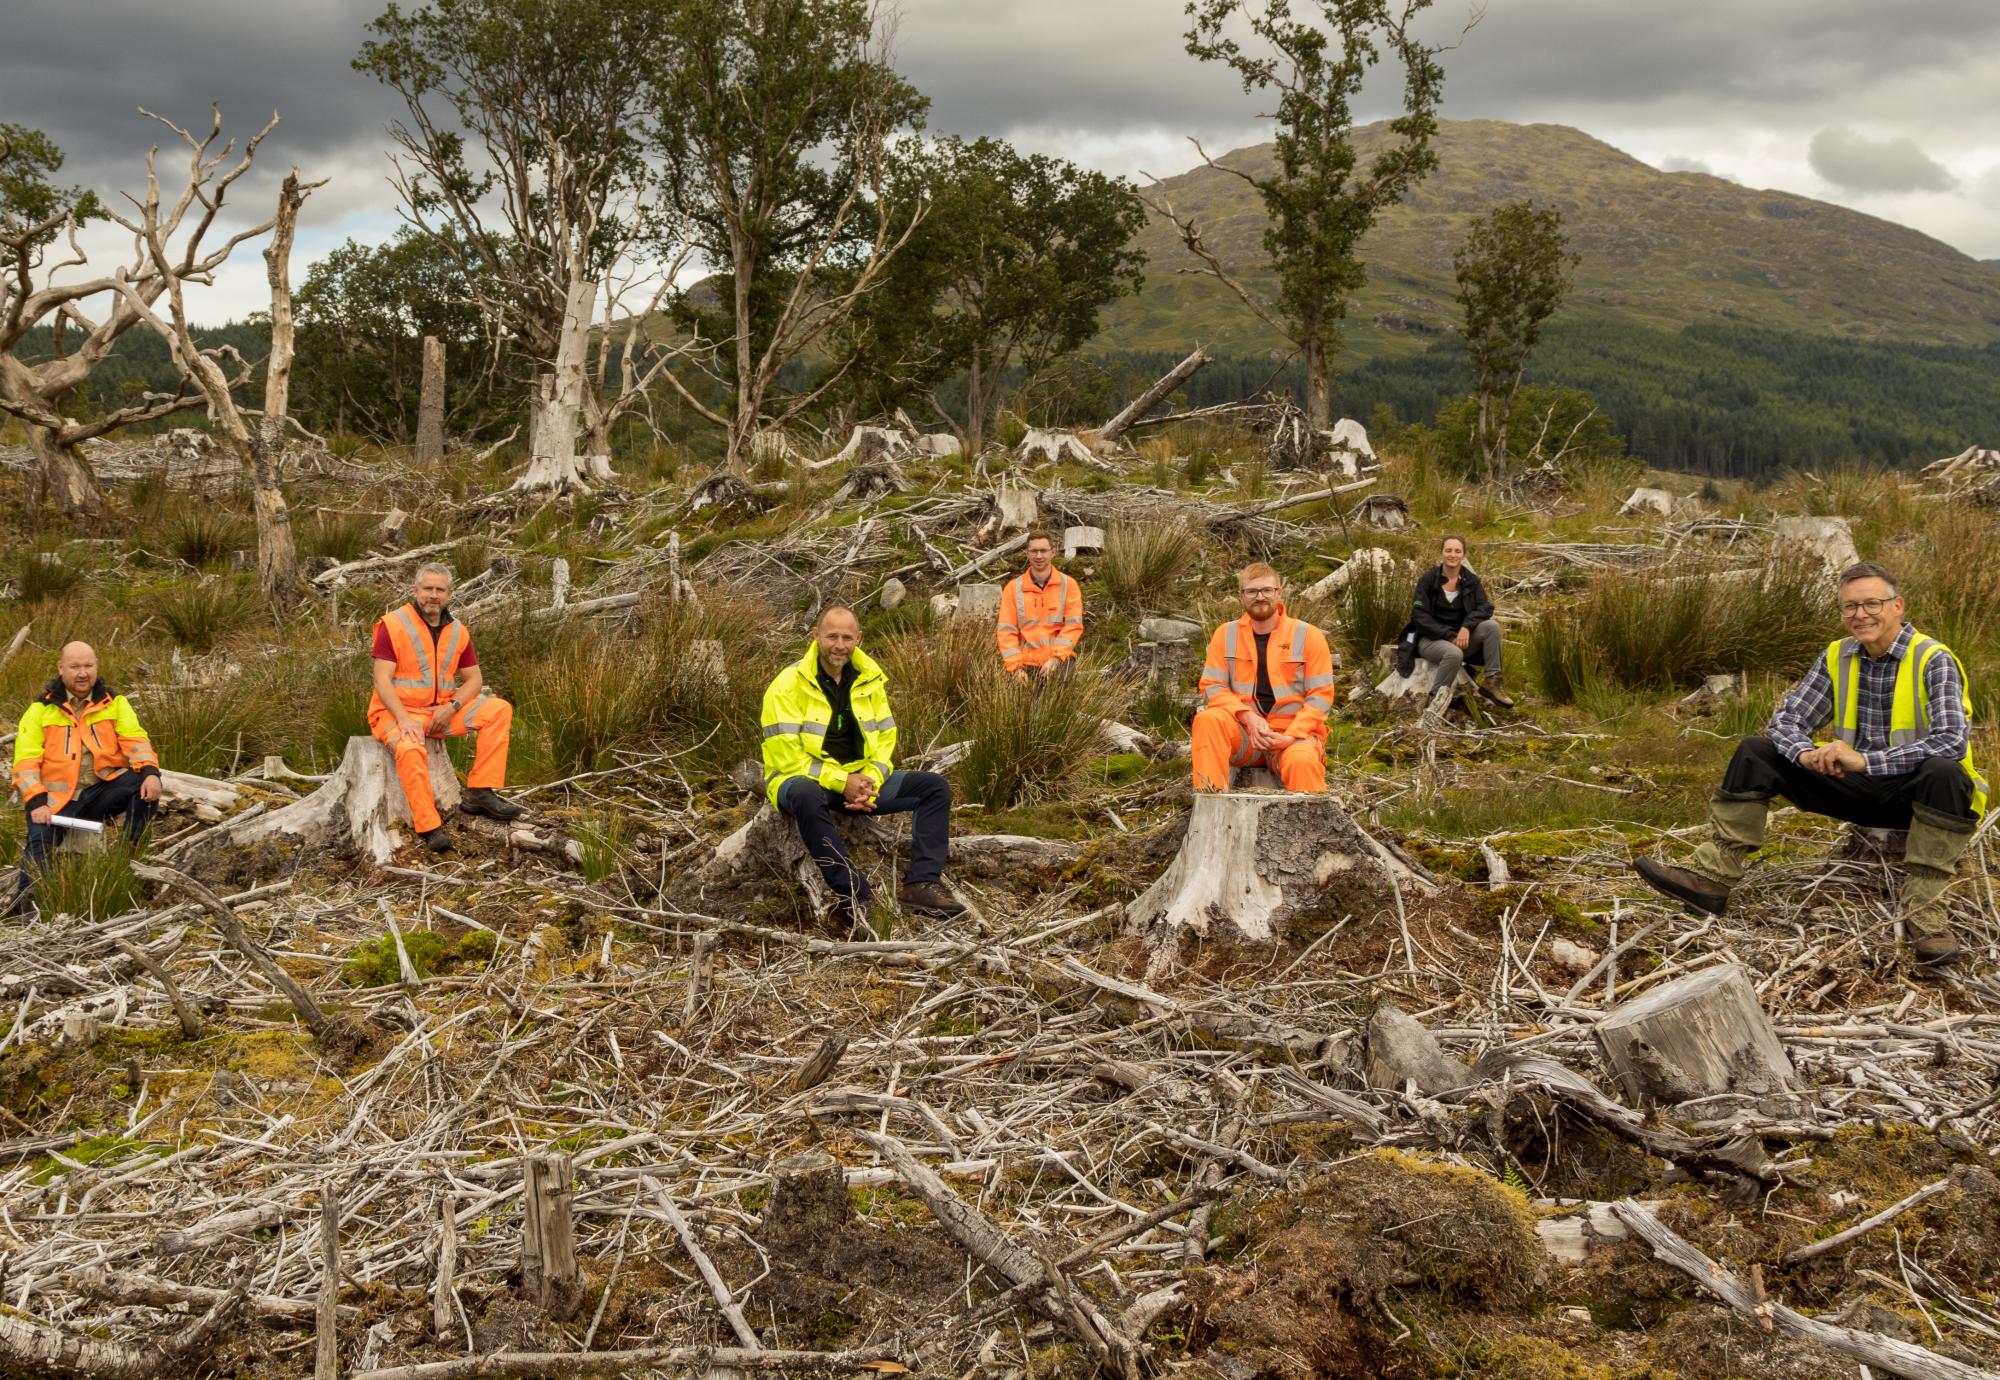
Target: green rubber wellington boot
{"type": "Point", "coordinates": [1930, 861]}
{"type": "Point", "coordinates": [1736, 830]}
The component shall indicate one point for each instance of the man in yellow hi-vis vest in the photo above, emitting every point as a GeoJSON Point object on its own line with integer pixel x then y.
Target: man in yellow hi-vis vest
{"type": "Point", "coordinates": [829, 747]}
{"type": "Point", "coordinates": [1896, 755]}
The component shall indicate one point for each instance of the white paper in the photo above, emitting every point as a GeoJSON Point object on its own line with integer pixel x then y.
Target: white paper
{"type": "Point", "coordinates": [88, 826]}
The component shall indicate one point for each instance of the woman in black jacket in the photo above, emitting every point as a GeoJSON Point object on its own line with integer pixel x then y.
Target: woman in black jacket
{"type": "Point", "coordinates": [1452, 617]}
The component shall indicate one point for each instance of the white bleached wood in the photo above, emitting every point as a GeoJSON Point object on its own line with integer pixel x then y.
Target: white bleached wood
{"type": "Point", "coordinates": [1696, 1036]}
{"type": "Point", "coordinates": [362, 802]}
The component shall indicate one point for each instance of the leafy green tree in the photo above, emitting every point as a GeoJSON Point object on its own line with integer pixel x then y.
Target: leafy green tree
{"type": "Point", "coordinates": [363, 312]}
{"type": "Point", "coordinates": [775, 125]}
{"type": "Point", "coordinates": [1513, 272]}
{"type": "Point", "coordinates": [1548, 422]}
{"type": "Point", "coordinates": [1319, 201]}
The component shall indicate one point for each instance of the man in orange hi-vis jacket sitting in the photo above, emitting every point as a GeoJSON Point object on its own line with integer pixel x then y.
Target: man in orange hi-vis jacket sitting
{"type": "Point", "coordinates": [427, 684]}
{"type": "Point", "coordinates": [1266, 692]}
{"type": "Point", "coordinates": [1041, 615]}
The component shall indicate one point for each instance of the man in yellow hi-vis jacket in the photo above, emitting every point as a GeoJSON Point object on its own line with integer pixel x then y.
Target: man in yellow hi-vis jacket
{"type": "Point", "coordinates": [829, 745]}
{"type": "Point", "coordinates": [79, 754]}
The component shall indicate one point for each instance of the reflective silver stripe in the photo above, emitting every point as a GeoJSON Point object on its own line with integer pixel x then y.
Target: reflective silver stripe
{"type": "Point", "coordinates": [1243, 687]}
{"type": "Point", "coordinates": [1324, 706]}
{"type": "Point", "coordinates": [1068, 642]}
{"type": "Point", "coordinates": [447, 653]}
{"type": "Point", "coordinates": [1229, 644]}
{"type": "Point", "coordinates": [780, 730]}
{"type": "Point", "coordinates": [877, 725]}
{"type": "Point", "coordinates": [1317, 682]}
{"type": "Point", "coordinates": [883, 765]}
{"type": "Point", "coordinates": [1215, 676]}
{"type": "Point", "coordinates": [427, 675]}
{"type": "Point", "coordinates": [1299, 644]}
{"type": "Point", "coordinates": [813, 770]}
{"type": "Point", "coordinates": [1842, 698]}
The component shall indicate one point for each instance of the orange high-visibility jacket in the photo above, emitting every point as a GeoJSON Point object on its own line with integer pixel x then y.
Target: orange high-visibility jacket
{"type": "Point", "coordinates": [50, 742]}
{"type": "Point", "coordinates": [1300, 665]}
{"type": "Point", "coordinates": [1039, 624]}
{"type": "Point", "coordinates": [422, 680]}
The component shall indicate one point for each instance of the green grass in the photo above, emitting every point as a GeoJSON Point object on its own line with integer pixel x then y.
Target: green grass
{"type": "Point", "coordinates": [1143, 564]}
{"type": "Point", "coordinates": [1480, 811]}
{"type": "Point", "coordinates": [933, 675]}
{"type": "Point", "coordinates": [203, 534]}
{"type": "Point", "coordinates": [343, 536]}
{"type": "Point", "coordinates": [1036, 742]}
{"type": "Point", "coordinates": [198, 613]}
{"type": "Point", "coordinates": [605, 838]}
{"type": "Point", "coordinates": [91, 883]}
{"type": "Point", "coordinates": [41, 573]}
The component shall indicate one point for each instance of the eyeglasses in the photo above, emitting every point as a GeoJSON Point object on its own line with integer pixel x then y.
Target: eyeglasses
{"type": "Point", "coordinates": [1260, 590]}
{"type": "Point", "coordinates": [1850, 607]}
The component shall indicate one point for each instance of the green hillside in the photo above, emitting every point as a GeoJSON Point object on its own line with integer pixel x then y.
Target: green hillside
{"type": "Point", "coordinates": [1662, 250]}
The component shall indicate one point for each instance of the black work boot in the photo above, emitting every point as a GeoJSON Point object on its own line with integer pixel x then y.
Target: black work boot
{"type": "Point", "coordinates": [484, 800]}
{"type": "Point", "coordinates": [930, 898]}
{"type": "Point", "coordinates": [437, 840]}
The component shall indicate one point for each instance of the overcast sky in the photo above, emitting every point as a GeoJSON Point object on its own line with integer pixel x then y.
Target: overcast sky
{"type": "Point", "coordinates": [1884, 107]}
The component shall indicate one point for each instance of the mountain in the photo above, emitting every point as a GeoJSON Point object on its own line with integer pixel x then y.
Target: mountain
{"type": "Point", "coordinates": [1664, 250]}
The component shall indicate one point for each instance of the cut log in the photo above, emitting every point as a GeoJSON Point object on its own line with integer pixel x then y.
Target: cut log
{"type": "Point", "coordinates": [1696, 1036]}
{"type": "Point", "coordinates": [430, 404]}
{"type": "Point", "coordinates": [727, 491]}
{"type": "Point", "coordinates": [1150, 399]}
{"type": "Point", "coordinates": [978, 603]}
{"type": "Point", "coordinates": [1828, 540]}
{"type": "Point", "coordinates": [550, 1275]}
{"type": "Point", "coordinates": [937, 445]}
{"type": "Point", "coordinates": [362, 804]}
{"type": "Point", "coordinates": [1715, 689]}
{"type": "Point", "coordinates": [1167, 630]}
{"type": "Point", "coordinates": [198, 790]}
{"type": "Point", "coordinates": [1248, 866]}
{"type": "Point", "coordinates": [1080, 541]}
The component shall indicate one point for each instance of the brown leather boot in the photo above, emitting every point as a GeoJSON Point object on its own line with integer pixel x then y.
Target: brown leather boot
{"type": "Point", "coordinates": [1493, 685]}
{"type": "Point", "coordinates": [930, 898]}
{"type": "Point", "coordinates": [1930, 861]}
{"type": "Point", "coordinates": [1701, 892]}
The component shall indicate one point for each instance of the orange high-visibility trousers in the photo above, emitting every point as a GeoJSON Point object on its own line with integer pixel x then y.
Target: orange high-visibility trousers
{"type": "Point", "coordinates": [1220, 743]}
{"type": "Point", "coordinates": [490, 717]}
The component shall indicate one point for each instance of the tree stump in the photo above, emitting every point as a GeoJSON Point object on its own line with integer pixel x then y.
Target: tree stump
{"type": "Point", "coordinates": [1350, 436]}
{"type": "Point", "coordinates": [1248, 866]}
{"type": "Point", "coordinates": [1390, 512]}
{"type": "Point", "coordinates": [938, 445]}
{"type": "Point", "coordinates": [362, 803]}
{"type": "Point", "coordinates": [978, 603]}
{"type": "Point", "coordinates": [1658, 502]}
{"type": "Point", "coordinates": [1421, 683]}
{"type": "Point", "coordinates": [870, 443]}
{"type": "Point", "coordinates": [1828, 540]}
{"type": "Point", "coordinates": [765, 850]}
{"type": "Point", "coordinates": [1042, 446]}
{"type": "Point", "coordinates": [1014, 510]}
{"type": "Point", "coordinates": [430, 404]}
{"type": "Point", "coordinates": [550, 1274]}
{"type": "Point", "coordinates": [1697, 1036]}
{"type": "Point", "coordinates": [1078, 541]}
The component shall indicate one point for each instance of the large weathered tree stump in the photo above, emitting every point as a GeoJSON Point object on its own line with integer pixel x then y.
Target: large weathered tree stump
{"type": "Point", "coordinates": [1696, 1036]}
{"type": "Point", "coordinates": [1249, 865]}
{"type": "Point", "coordinates": [361, 804]}
{"type": "Point", "coordinates": [978, 603]}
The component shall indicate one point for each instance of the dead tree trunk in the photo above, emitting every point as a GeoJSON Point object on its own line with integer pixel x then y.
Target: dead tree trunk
{"type": "Point", "coordinates": [361, 804]}
{"type": "Point", "coordinates": [557, 402]}
{"type": "Point", "coordinates": [277, 551]}
{"type": "Point", "coordinates": [550, 1274]}
{"type": "Point", "coordinates": [430, 404]}
{"type": "Point", "coordinates": [1150, 399]}
{"type": "Point", "coordinates": [65, 477]}
{"type": "Point", "coordinates": [1249, 865]}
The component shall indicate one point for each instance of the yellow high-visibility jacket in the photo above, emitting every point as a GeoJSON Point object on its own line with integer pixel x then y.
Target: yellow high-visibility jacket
{"type": "Point", "coordinates": [49, 744]}
{"type": "Point", "coordinates": [1909, 704]}
{"type": "Point", "coordinates": [796, 716]}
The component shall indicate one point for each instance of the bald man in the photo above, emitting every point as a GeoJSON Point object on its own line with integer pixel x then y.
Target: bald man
{"type": "Point", "coordinates": [79, 753]}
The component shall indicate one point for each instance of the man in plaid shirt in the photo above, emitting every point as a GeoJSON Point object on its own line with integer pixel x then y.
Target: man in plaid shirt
{"type": "Point", "coordinates": [1896, 756]}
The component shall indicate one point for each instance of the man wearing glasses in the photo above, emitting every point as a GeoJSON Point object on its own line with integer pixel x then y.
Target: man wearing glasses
{"type": "Point", "coordinates": [1265, 693]}
{"type": "Point", "coordinates": [1896, 755]}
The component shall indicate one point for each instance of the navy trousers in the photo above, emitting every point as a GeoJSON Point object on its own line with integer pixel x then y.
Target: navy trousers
{"type": "Point", "coordinates": [813, 807]}
{"type": "Point", "coordinates": [101, 801]}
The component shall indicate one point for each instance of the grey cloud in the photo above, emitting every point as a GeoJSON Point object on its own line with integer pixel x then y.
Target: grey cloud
{"type": "Point", "coordinates": [1857, 163]}
{"type": "Point", "coordinates": [1693, 165]}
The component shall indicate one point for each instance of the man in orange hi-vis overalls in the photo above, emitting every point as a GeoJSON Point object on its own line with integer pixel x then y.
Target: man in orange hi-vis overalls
{"type": "Point", "coordinates": [1041, 615]}
{"type": "Point", "coordinates": [1266, 692]}
{"type": "Point", "coordinates": [427, 684]}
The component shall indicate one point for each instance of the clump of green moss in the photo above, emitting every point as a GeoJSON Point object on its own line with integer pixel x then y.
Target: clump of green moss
{"type": "Point", "coordinates": [374, 964]}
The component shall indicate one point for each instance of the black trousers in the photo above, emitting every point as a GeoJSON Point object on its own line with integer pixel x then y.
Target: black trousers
{"type": "Point", "coordinates": [1759, 771]}
{"type": "Point", "coordinates": [924, 793]}
{"type": "Point", "coordinates": [100, 801]}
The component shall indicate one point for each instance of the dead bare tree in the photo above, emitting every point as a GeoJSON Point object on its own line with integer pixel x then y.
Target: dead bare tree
{"type": "Point", "coordinates": [37, 392]}
{"type": "Point", "coordinates": [262, 448]}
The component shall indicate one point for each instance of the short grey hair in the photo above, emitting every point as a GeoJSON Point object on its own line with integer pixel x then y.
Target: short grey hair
{"type": "Point", "coordinates": [434, 568]}
{"type": "Point", "coordinates": [1869, 570]}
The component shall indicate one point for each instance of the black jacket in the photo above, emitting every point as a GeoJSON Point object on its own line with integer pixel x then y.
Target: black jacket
{"type": "Point", "coordinates": [1434, 617]}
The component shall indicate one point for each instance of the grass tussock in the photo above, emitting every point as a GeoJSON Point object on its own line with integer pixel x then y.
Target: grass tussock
{"type": "Point", "coordinates": [1662, 633]}
{"type": "Point", "coordinates": [41, 574]}
{"type": "Point", "coordinates": [339, 536]}
{"type": "Point", "coordinates": [1144, 563]}
{"type": "Point", "coordinates": [199, 613]}
{"type": "Point", "coordinates": [1374, 608]}
{"type": "Point", "coordinates": [1033, 743]}
{"type": "Point", "coordinates": [1949, 595]}
{"type": "Point", "coordinates": [203, 535]}
{"type": "Point", "coordinates": [91, 883]}
{"type": "Point", "coordinates": [933, 676]}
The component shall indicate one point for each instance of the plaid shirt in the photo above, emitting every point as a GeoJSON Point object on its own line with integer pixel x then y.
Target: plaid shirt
{"type": "Point", "coordinates": [1810, 704]}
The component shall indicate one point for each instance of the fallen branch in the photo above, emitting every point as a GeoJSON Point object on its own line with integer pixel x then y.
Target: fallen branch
{"type": "Point", "coordinates": [1879, 1352]}
{"type": "Point", "coordinates": [1867, 1224]}
{"type": "Point", "coordinates": [1150, 399]}
{"type": "Point", "coordinates": [563, 1365]}
{"type": "Point", "coordinates": [710, 1276]}
{"type": "Point", "coordinates": [1233, 515]}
